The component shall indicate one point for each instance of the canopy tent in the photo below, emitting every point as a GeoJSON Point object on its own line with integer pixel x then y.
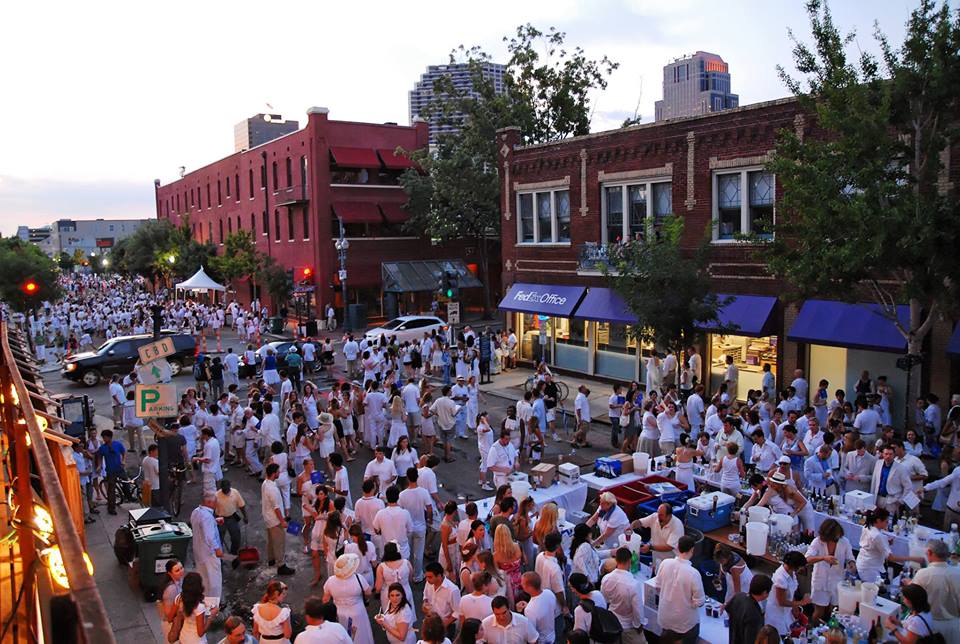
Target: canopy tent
{"type": "Point", "coordinates": [200, 281]}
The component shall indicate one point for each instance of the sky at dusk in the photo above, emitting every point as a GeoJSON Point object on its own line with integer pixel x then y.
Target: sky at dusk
{"type": "Point", "coordinates": [102, 98]}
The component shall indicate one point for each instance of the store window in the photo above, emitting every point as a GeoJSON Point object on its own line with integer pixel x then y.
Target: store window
{"type": "Point", "coordinates": [743, 204]}
{"type": "Point", "coordinates": [570, 337]}
{"type": "Point", "coordinates": [544, 217]}
{"type": "Point", "coordinates": [749, 355]}
{"type": "Point", "coordinates": [534, 346]}
{"type": "Point", "coordinates": [632, 210]}
{"type": "Point", "coordinates": [616, 355]}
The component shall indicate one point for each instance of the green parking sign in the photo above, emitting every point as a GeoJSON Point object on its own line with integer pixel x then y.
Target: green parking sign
{"type": "Point", "coordinates": [155, 401]}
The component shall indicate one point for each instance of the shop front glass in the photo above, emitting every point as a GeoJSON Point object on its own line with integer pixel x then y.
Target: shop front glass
{"type": "Point", "coordinates": [841, 368]}
{"type": "Point", "coordinates": [749, 356]}
{"type": "Point", "coordinates": [528, 330]}
{"type": "Point", "coordinates": [571, 344]}
{"type": "Point", "coordinates": [616, 351]}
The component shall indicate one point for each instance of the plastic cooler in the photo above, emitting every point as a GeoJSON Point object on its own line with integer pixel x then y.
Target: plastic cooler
{"type": "Point", "coordinates": [629, 497]}
{"type": "Point", "coordinates": [650, 507]}
{"type": "Point", "coordinates": [709, 511]}
{"type": "Point", "coordinates": [653, 485]}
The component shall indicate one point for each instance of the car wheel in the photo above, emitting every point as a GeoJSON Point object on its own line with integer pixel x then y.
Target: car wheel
{"type": "Point", "coordinates": [175, 367]}
{"type": "Point", "coordinates": [90, 377]}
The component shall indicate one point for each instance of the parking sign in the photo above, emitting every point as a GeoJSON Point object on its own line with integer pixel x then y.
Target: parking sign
{"type": "Point", "coordinates": [156, 401]}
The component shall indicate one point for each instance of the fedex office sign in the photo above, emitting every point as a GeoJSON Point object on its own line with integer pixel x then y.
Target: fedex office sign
{"type": "Point", "coordinates": [542, 298]}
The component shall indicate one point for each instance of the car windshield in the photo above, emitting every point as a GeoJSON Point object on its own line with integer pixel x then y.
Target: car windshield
{"type": "Point", "coordinates": [103, 348]}
{"type": "Point", "coordinates": [393, 324]}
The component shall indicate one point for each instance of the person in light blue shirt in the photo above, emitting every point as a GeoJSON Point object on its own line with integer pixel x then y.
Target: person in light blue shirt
{"type": "Point", "coordinates": [817, 469]}
{"type": "Point", "coordinates": [207, 547]}
{"type": "Point", "coordinates": [769, 382]}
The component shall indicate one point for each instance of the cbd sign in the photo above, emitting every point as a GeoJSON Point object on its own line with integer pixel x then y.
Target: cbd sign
{"type": "Point", "coordinates": [158, 401]}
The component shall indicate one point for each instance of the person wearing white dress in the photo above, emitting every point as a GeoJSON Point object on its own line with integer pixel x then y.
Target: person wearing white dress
{"type": "Point", "coordinates": [364, 549]}
{"type": "Point", "coordinates": [731, 471]}
{"type": "Point", "coordinates": [398, 425]}
{"type": "Point", "coordinates": [829, 553]}
{"type": "Point", "coordinates": [875, 547]}
{"type": "Point", "coordinates": [397, 617]}
{"type": "Point", "coordinates": [484, 443]}
{"type": "Point", "coordinates": [393, 569]}
{"type": "Point", "coordinates": [348, 590]}
{"type": "Point", "coordinates": [271, 621]}
{"type": "Point", "coordinates": [196, 617]}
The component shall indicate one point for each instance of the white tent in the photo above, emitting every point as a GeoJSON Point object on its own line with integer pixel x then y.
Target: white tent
{"type": "Point", "coordinates": [200, 282]}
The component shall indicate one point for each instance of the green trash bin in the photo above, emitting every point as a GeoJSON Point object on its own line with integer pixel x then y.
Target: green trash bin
{"type": "Point", "coordinates": [277, 325]}
{"type": "Point", "coordinates": [156, 544]}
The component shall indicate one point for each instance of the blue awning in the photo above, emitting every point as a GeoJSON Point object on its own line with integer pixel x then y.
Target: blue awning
{"type": "Point", "coordinates": [543, 299]}
{"type": "Point", "coordinates": [854, 326]}
{"type": "Point", "coordinates": [953, 347]}
{"type": "Point", "coordinates": [750, 315]}
{"type": "Point", "coordinates": [605, 305]}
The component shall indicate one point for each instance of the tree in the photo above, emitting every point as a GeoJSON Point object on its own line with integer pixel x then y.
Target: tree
{"type": "Point", "coordinates": [33, 276]}
{"type": "Point", "coordinates": [866, 215]}
{"type": "Point", "coordinates": [455, 193]}
{"type": "Point", "coordinates": [65, 261]}
{"type": "Point", "coordinates": [666, 287]}
{"type": "Point", "coordinates": [240, 258]}
{"type": "Point", "coordinates": [275, 280]}
{"type": "Point", "coordinates": [148, 250]}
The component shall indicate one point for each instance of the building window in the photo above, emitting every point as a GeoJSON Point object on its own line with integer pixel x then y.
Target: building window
{"type": "Point", "coordinates": [228, 186]}
{"type": "Point", "coordinates": [239, 225]}
{"type": "Point", "coordinates": [236, 183]}
{"type": "Point", "coordinates": [274, 172]}
{"type": "Point", "coordinates": [253, 225]}
{"type": "Point", "coordinates": [289, 225]}
{"type": "Point", "coordinates": [266, 223]}
{"type": "Point", "coordinates": [219, 194]}
{"type": "Point", "coordinates": [209, 231]}
{"type": "Point", "coordinates": [229, 226]}
{"type": "Point", "coordinates": [276, 225]}
{"type": "Point", "coordinates": [552, 221]}
{"type": "Point", "coordinates": [303, 171]}
{"type": "Point", "coordinates": [526, 218]}
{"type": "Point", "coordinates": [733, 214]}
{"type": "Point", "coordinates": [306, 225]}
{"type": "Point", "coordinates": [644, 203]}
{"type": "Point", "coordinates": [289, 168]}
{"type": "Point", "coordinates": [263, 177]}
{"type": "Point", "coordinates": [250, 181]}
{"type": "Point", "coordinates": [177, 199]}
{"type": "Point", "coordinates": [220, 227]}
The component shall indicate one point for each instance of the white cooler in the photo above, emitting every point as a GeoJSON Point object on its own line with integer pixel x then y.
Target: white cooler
{"type": "Point", "coordinates": [859, 500]}
{"type": "Point", "coordinates": [569, 473]}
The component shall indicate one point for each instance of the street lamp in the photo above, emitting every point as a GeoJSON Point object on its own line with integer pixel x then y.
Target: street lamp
{"type": "Point", "coordinates": [105, 263]}
{"type": "Point", "coordinates": [172, 258]}
{"type": "Point", "coordinates": [342, 245]}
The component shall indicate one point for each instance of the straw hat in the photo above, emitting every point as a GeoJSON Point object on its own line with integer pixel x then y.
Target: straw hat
{"type": "Point", "coordinates": [778, 477]}
{"type": "Point", "coordinates": [326, 418]}
{"type": "Point", "coordinates": [346, 566]}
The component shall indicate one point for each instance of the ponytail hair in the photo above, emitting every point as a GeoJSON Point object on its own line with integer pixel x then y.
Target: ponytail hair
{"type": "Point", "coordinates": [357, 531]}
{"type": "Point", "coordinates": [877, 514]}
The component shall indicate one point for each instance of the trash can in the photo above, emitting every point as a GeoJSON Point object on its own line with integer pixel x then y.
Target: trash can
{"type": "Point", "coordinates": [156, 544]}
{"type": "Point", "coordinates": [311, 328]}
{"type": "Point", "coordinates": [277, 324]}
{"type": "Point", "coordinates": [357, 317]}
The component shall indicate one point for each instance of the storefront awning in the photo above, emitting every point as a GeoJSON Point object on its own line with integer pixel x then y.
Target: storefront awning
{"type": "Point", "coordinates": [357, 212]}
{"type": "Point", "coordinates": [355, 157]}
{"type": "Point", "coordinates": [425, 275]}
{"type": "Point", "coordinates": [854, 326]}
{"type": "Point", "coordinates": [605, 305]}
{"type": "Point", "coordinates": [394, 161]}
{"type": "Point", "coordinates": [394, 213]}
{"type": "Point", "coordinates": [749, 315]}
{"type": "Point", "coordinates": [558, 301]}
{"type": "Point", "coordinates": [953, 347]}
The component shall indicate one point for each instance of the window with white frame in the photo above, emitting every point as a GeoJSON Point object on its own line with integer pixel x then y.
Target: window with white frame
{"type": "Point", "coordinates": [543, 217]}
{"type": "Point", "coordinates": [631, 210]}
{"type": "Point", "coordinates": [743, 204]}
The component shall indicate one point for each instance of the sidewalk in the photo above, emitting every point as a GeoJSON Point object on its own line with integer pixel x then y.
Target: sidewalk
{"type": "Point", "coordinates": [509, 386]}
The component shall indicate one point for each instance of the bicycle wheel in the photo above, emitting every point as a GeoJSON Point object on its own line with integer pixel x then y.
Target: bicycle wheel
{"type": "Point", "coordinates": [176, 498]}
{"type": "Point", "coordinates": [563, 390]}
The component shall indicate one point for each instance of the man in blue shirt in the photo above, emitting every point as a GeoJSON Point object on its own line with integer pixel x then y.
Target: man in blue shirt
{"type": "Point", "coordinates": [207, 547]}
{"type": "Point", "coordinates": [111, 455]}
{"type": "Point", "coordinates": [539, 429]}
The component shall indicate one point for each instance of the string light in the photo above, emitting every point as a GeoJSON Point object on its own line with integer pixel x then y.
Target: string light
{"type": "Point", "coordinates": [14, 396]}
{"type": "Point", "coordinates": [43, 522]}
{"type": "Point", "coordinates": [52, 558]}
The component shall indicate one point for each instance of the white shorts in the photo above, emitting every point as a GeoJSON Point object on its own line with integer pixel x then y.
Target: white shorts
{"type": "Point", "coordinates": [825, 597]}
{"type": "Point", "coordinates": [551, 415]}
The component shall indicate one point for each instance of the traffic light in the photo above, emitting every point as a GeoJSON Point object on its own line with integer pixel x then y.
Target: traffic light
{"type": "Point", "coordinates": [30, 287]}
{"type": "Point", "coordinates": [304, 274]}
{"type": "Point", "coordinates": [444, 290]}
{"type": "Point", "coordinates": [453, 285]}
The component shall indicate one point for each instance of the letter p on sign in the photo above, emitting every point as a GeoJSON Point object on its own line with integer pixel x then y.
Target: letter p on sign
{"type": "Point", "coordinates": [156, 401]}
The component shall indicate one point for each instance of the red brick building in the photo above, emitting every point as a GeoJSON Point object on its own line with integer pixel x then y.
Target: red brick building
{"type": "Point", "coordinates": [294, 193]}
{"type": "Point", "coordinates": [563, 202]}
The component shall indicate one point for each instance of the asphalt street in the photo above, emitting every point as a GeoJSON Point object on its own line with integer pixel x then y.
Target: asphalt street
{"type": "Point", "coordinates": [135, 620]}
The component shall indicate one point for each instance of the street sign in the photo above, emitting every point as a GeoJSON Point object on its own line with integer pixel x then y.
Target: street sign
{"type": "Point", "coordinates": [453, 312]}
{"type": "Point", "coordinates": [342, 274]}
{"type": "Point", "coordinates": [154, 372]}
{"type": "Point", "coordinates": [155, 400]}
{"type": "Point", "coordinates": [155, 350]}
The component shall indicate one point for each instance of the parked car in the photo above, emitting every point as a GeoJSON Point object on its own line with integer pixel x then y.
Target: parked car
{"type": "Point", "coordinates": [407, 327]}
{"type": "Point", "coordinates": [119, 355]}
{"type": "Point", "coordinates": [281, 348]}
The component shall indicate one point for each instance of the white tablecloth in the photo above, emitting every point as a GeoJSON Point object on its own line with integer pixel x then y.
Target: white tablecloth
{"type": "Point", "coordinates": [571, 498]}
{"type": "Point", "coordinates": [595, 482]}
{"type": "Point", "coordinates": [852, 531]}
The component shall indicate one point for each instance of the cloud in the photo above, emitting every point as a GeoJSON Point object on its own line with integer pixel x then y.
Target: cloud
{"type": "Point", "coordinates": [36, 202]}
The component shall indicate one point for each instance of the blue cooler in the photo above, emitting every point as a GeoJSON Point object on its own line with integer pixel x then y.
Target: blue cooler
{"type": "Point", "coordinates": [650, 507]}
{"type": "Point", "coordinates": [609, 468]}
{"type": "Point", "coordinates": [710, 511]}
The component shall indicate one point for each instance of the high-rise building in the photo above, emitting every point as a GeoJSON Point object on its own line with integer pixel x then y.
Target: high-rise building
{"type": "Point", "coordinates": [695, 85]}
{"type": "Point", "coordinates": [259, 129]}
{"type": "Point", "coordinates": [462, 77]}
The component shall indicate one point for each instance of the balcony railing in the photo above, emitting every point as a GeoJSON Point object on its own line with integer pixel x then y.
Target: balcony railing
{"type": "Point", "coordinates": [595, 257]}
{"type": "Point", "coordinates": [47, 592]}
{"type": "Point", "coordinates": [292, 195]}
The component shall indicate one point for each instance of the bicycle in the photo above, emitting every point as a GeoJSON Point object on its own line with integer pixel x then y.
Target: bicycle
{"type": "Point", "coordinates": [128, 489]}
{"type": "Point", "coordinates": [562, 389]}
{"type": "Point", "coordinates": [175, 495]}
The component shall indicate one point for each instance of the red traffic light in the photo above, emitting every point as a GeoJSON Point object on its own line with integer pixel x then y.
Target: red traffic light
{"type": "Point", "coordinates": [30, 287]}
{"type": "Point", "coordinates": [304, 273]}
{"type": "Point", "coordinates": [307, 272]}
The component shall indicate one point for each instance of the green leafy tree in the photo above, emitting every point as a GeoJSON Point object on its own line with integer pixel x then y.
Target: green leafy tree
{"type": "Point", "coordinates": [275, 280]}
{"type": "Point", "coordinates": [455, 193]}
{"type": "Point", "coordinates": [26, 264]}
{"type": "Point", "coordinates": [240, 258]}
{"type": "Point", "coordinates": [147, 251]}
{"type": "Point", "coordinates": [666, 287]}
{"type": "Point", "coordinates": [65, 262]}
{"type": "Point", "coordinates": [866, 216]}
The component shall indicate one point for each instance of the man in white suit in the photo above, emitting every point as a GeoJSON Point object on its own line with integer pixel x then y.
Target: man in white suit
{"type": "Point", "coordinates": [857, 469]}
{"type": "Point", "coordinates": [890, 482]}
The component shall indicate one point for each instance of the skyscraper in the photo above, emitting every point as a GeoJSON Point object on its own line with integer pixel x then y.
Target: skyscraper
{"type": "Point", "coordinates": [259, 129]}
{"type": "Point", "coordinates": [695, 85]}
{"type": "Point", "coordinates": [461, 75]}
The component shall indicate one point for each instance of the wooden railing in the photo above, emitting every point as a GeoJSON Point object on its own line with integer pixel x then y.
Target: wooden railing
{"type": "Point", "coordinates": [47, 592]}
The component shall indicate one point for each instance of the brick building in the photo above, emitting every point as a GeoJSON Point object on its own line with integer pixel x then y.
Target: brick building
{"type": "Point", "coordinates": [563, 202]}
{"type": "Point", "coordinates": [295, 192]}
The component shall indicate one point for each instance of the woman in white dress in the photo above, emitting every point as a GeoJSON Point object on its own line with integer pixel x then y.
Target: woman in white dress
{"type": "Point", "coordinates": [685, 456]}
{"type": "Point", "coordinates": [193, 613]}
{"type": "Point", "coordinates": [875, 547]}
{"type": "Point", "coordinates": [398, 427]}
{"type": "Point", "coordinates": [473, 404]}
{"type": "Point", "coordinates": [311, 404]}
{"type": "Point", "coordinates": [364, 549]}
{"type": "Point", "coordinates": [735, 569]}
{"type": "Point", "coordinates": [307, 491]}
{"type": "Point", "coordinates": [334, 539]}
{"type": "Point", "coordinates": [271, 621]}
{"type": "Point", "coordinates": [326, 439]}
{"type": "Point", "coordinates": [649, 431]}
{"type": "Point", "coordinates": [393, 569]}
{"type": "Point", "coordinates": [829, 553]}
{"type": "Point", "coordinates": [404, 457]}
{"type": "Point", "coordinates": [397, 617]}
{"type": "Point", "coordinates": [731, 471]}
{"type": "Point", "coordinates": [349, 592]}
{"type": "Point", "coordinates": [484, 443]}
